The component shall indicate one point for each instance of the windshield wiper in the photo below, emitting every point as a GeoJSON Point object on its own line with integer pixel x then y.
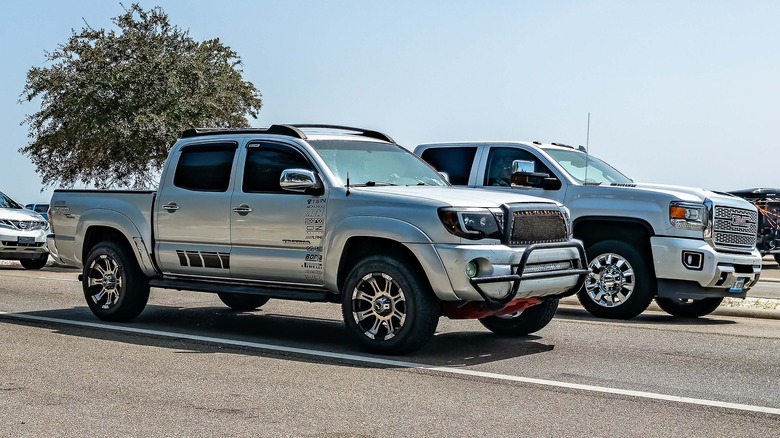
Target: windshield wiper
{"type": "Point", "coordinates": [379, 183]}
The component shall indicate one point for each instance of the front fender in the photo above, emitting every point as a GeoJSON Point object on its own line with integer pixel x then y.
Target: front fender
{"type": "Point", "coordinates": [366, 226]}
{"type": "Point", "coordinates": [112, 219]}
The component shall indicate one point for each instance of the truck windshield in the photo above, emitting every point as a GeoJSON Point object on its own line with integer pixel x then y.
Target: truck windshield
{"type": "Point", "coordinates": [6, 202]}
{"type": "Point", "coordinates": [372, 163]}
{"type": "Point", "coordinates": [590, 170]}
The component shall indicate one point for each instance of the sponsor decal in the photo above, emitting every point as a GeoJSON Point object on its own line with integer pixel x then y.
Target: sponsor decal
{"type": "Point", "coordinates": [296, 242]}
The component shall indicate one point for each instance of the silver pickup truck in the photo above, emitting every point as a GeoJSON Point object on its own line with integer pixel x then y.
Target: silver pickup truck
{"type": "Point", "coordinates": [322, 213]}
{"type": "Point", "coordinates": [686, 247]}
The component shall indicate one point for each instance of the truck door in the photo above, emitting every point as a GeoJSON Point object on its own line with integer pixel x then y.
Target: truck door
{"type": "Point", "coordinates": [497, 165]}
{"type": "Point", "coordinates": [276, 234]}
{"type": "Point", "coordinates": [192, 211]}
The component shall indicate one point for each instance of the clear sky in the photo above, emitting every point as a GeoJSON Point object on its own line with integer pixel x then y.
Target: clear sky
{"type": "Point", "coordinates": [680, 92]}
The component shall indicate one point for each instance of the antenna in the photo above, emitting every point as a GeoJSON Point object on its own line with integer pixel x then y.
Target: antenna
{"type": "Point", "coordinates": [347, 183]}
{"type": "Point", "coordinates": [587, 149]}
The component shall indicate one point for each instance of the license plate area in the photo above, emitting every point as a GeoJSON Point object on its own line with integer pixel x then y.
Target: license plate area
{"type": "Point", "coordinates": [739, 283]}
{"type": "Point", "coordinates": [26, 240]}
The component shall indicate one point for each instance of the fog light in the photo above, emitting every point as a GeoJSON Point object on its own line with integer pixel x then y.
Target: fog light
{"type": "Point", "coordinates": [471, 269]}
{"type": "Point", "coordinates": [693, 260]}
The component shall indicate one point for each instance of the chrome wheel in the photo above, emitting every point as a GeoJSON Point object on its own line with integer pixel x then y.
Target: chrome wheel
{"type": "Point", "coordinates": [104, 281]}
{"type": "Point", "coordinates": [611, 280]}
{"type": "Point", "coordinates": [378, 306]}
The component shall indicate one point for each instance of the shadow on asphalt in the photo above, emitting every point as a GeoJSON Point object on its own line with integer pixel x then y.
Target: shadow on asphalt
{"type": "Point", "coordinates": [329, 336]}
{"type": "Point", "coordinates": [645, 318]}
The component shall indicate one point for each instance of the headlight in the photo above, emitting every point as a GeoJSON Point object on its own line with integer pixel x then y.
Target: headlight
{"type": "Point", "coordinates": [567, 218]}
{"type": "Point", "coordinates": [470, 223]}
{"type": "Point", "coordinates": [687, 215]}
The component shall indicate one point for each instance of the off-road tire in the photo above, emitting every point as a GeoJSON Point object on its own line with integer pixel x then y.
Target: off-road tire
{"type": "Point", "coordinates": [114, 286]}
{"type": "Point", "coordinates": [34, 264]}
{"type": "Point", "coordinates": [522, 323]}
{"type": "Point", "coordinates": [394, 300]}
{"type": "Point", "coordinates": [242, 302]}
{"type": "Point", "coordinates": [688, 308]}
{"type": "Point", "coordinates": [640, 275]}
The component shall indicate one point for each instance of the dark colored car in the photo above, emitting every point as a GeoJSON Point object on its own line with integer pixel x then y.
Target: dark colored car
{"type": "Point", "coordinates": [42, 209]}
{"type": "Point", "coordinates": [767, 201]}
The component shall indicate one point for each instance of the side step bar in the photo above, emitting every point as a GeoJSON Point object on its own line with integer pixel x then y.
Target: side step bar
{"type": "Point", "coordinates": [300, 294]}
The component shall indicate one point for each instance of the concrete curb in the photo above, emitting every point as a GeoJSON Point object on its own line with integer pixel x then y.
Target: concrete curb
{"type": "Point", "coordinates": [764, 308]}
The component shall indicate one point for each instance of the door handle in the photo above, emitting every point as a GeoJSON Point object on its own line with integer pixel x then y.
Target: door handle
{"type": "Point", "coordinates": [242, 209]}
{"type": "Point", "coordinates": [170, 207]}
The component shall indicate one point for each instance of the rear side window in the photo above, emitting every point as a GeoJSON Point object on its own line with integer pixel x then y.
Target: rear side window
{"type": "Point", "coordinates": [455, 162]}
{"type": "Point", "coordinates": [265, 163]}
{"type": "Point", "coordinates": [205, 168]}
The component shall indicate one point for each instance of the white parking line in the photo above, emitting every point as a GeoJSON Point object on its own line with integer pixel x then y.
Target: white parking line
{"type": "Point", "coordinates": [401, 364]}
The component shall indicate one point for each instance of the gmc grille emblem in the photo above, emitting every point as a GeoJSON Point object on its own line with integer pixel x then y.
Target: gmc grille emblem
{"type": "Point", "coordinates": [739, 220]}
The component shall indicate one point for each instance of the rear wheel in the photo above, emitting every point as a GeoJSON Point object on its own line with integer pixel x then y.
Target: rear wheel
{"type": "Point", "coordinates": [524, 322]}
{"type": "Point", "coordinates": [685, 308]}
{"type": "Point", "coordinates": [242, 302]}
{"type": "Point", "coordinates": [115, 287]}
{"type": "Point", "coordinates": [620, 284]}
{"type": "Point", "coordinates": [388, 307]}
{"type": "Point", "coordinates": [35, 263]}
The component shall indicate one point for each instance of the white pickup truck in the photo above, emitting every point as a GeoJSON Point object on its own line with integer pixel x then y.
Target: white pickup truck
{"type": "Point", "coordinates": [322, 213]}
{"type": "Point", "coordinates": [688, 248]}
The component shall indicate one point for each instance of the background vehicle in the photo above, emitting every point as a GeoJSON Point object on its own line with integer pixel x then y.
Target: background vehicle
{"type": "Point", "coordinates": [689, 248]}
{"type": "Point", "coordinates": [767, 201]}
{"type": "Point", "coordinates": [42, 209]}
{"type": "Point", "coordinates": [22, 235]}
{"type": "Point", "coordinates": [343, 216]}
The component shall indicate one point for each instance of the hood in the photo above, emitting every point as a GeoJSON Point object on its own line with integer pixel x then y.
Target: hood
{"type": "Point", "coordinates": [692, 194]}
{"type": "Point", "coordinates": [455, 196]}
{"type": "Point", "coordinates": [15, 214]}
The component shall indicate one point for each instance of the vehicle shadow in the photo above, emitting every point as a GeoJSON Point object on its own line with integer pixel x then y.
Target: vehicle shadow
{"type": "Point", "coordinates": [200, 330]}
{"type": "Point", "coordinates": [660, 318]}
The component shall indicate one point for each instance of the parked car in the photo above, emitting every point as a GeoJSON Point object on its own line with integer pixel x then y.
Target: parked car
{"type": "Point", "coordinates": [686, 247]}
{"type": "Point", "coordinates": [767, 201]}
{"type": "Point", "coordinates": [322, 213]}
{"type": "Point", "coordinates": [22, 234]}
{"type": "Point", "coordinates": [42, 209]}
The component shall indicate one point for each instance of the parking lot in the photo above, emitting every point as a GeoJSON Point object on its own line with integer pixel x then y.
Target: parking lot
{"type": "Point", "coordinates": [189, 366]}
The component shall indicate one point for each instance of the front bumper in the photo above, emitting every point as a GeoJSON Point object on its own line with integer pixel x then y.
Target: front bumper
{"type": "Point", "coordinates": [507, 273]}
{"type": "Point", "coordinates": [716, 275]}
{"type": "Point", "coordinates": [17, 245]}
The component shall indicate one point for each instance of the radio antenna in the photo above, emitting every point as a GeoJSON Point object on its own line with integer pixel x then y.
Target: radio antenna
{"type": "Point", "coordinates": [587, 149]}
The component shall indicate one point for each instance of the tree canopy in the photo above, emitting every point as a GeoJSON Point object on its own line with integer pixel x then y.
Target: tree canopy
{"type": "Point", "coordinates": [113, 102]}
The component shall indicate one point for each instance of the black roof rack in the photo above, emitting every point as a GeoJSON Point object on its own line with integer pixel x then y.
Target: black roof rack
{"type": "Point", "coordinates": [360, 131]}
{"type": "Point", "coordinates": [287, 130]}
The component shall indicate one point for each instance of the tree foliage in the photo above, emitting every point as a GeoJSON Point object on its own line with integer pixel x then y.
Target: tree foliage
{"type": "Point", "coordinates": [112, 103]}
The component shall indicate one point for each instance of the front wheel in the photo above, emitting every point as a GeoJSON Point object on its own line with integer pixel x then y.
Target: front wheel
{"type": "Point", "coordinates": [115, 287]}
{"type": "Point", "coordinates": [524, 322]}
{"type": "Point", "coordinates": [620, 284]}
{"type": "Point", "coordinates": [684, 308]}
{"type": "Point", "coordinates": [242, 302]}
{"type": "Point", "coordinates": [388, 307]}
{"type": "Point", "coordinates": [38, 263]}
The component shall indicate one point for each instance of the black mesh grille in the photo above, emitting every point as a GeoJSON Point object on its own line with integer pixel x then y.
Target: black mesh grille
{"type": "Point", "coordinates": [537, 226]}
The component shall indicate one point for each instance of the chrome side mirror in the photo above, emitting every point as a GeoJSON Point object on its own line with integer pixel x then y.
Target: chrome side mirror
{"type": "Point", "coordinates": [298, 180]}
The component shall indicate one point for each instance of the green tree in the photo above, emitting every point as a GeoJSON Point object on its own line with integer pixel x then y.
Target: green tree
{"type": "Point", "coordinates": [112, 103]}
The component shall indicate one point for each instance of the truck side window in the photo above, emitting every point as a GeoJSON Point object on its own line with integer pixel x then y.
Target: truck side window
{"type": "Point", "coordinates": [499, 165]}
{"type": "Point", "coordinates": [205, 168]}
{"type": "Point", "coordinates": [455, 162]}
{"type": "Point", "coordinates": [264, 166]}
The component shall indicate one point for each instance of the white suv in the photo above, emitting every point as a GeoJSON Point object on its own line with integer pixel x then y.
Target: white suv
{"type": "Point", "coordinates": [22, 235]}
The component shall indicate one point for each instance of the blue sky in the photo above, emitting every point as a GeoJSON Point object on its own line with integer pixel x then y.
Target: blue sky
{"type": "Point", "coordinates": [680, 92]}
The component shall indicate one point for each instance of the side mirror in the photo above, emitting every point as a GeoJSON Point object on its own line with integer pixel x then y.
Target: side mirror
{"type": "Point", "coordinates": [523, 175]}
{"type": "Point", "coordinates": [299, 180]}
